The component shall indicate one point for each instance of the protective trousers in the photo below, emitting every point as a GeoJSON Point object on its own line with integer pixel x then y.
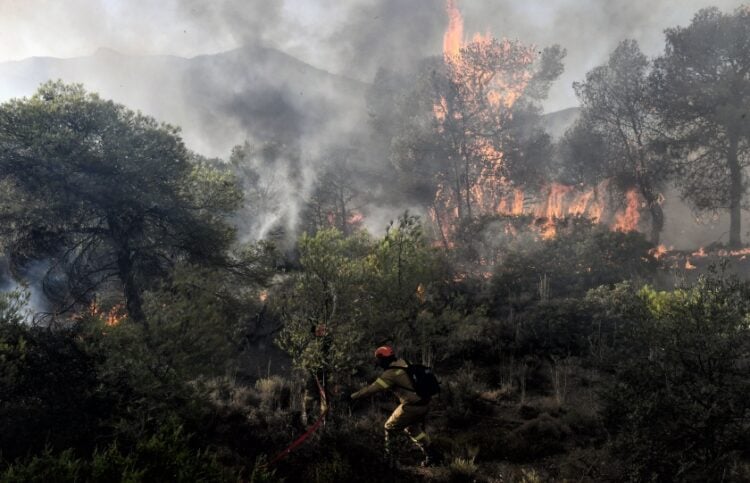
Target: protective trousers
{"type": "Point", "coordinates": [410, 419]}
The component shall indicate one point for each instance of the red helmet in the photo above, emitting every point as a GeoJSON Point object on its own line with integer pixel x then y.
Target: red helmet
{"type": "Point", "coordinates": [384, 352]}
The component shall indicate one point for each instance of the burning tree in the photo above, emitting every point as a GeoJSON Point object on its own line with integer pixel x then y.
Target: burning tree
{"type": "Point", "coordinates": [482, 81]}
{"type": "Point", "coordinates": [477, 103]}
{"type": "Point", "coordinates": [480, 138]}
{"type": "Point", "coordinates": [617, 138]}
{"type": "Point", "coordinates": [703, 97]}
{"type": "Point", "coordinates": [336, 198]}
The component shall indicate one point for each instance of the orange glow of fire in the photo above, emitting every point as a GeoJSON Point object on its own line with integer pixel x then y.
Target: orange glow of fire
{"type": "Point", "coordinates": [628, 219]}
{"type": "Point", "coordinates": [439, 110]}
{"type": "Point", "coordinates": [111, 317]}
{"type": "Point", "coordinates": [492, 192]}
{"type": "Point", "coordinates": [659, 252]}
{"type": "Point", "coordinates": [421, 293]}
{"type": "Point", "coordinates": [689, 266]}
{"type": "Point", "coordinates": [734, 253]}
{"type": "Point", "coordinates": [355, 218]}
{"type": "Point", "coordinates": [556, 201]}
{"type": "Point", "coordinates": [488, 93]}
{"type": "Point", "coordinates": [701, 253]}
{"type": "Point", "coordinates": [454, 35]}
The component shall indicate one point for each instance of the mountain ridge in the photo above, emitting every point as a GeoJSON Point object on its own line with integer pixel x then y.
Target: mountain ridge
{"type": "Point", "coordinates": [252, 92]}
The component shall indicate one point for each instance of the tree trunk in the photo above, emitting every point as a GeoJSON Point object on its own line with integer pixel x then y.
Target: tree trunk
{"type": "Point", "coordinates": [343, 213]}
{"type": "Point", "coordinates": [457, 191]}
{"type": "Point", "coordinates": [444, 238]}
{"type": "Point", "coordinates": [133, 300]}
{"type": "Point", "coordinates": [735, 195]}
{"type": "Point", "coordinates": [656, 212]}
{"type": "Point", "coordinates": [657, 222]}
{"type": "Point", "coordinates": [468, 187]}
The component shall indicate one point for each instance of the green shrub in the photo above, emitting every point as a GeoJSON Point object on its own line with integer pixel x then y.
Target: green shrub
{"type": "Point", "coordinates": [334, 467]}
{"type": "Point", "coordinates": [463, 470]}
{"type": "Point", "coordinates": [678, 404]}
{"type": "Point", "coordinates": [163, 456]}
{"type": "Point", "coordinates": [462, 396]}
{"type": "Point", "coordinates": [45, 468]}
{"type": "Point", "coordinates": [537, 438]}
{"type": "Point", "coordinates": [49, 387]}
{"type": "Point", "coordinates": [581, 257]}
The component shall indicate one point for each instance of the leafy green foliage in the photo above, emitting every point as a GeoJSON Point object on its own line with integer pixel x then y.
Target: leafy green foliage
{"type": "Point", "coordinates": [354, 293]}
{"type": "Point", "coordinates": [49, 393]}
{"type": "Point", "coordinates": [319, 308]}
{"type": "Point", "coordinates": [701, 94]}
{"type": "Point", "coordinates": [103, 193]}
{"type": "Point", "coordinates": [13, 307]}
{"type": "Point", "coordinates": [201, 318]}
{"type": "Point", "coordinates": [617, 136]}
{"type": "Point", "coordinates": [581, 257]}
{"type": "Point", "coordinates": [163, 456]}
{"type": "Point", "coordinates": [678, 404]}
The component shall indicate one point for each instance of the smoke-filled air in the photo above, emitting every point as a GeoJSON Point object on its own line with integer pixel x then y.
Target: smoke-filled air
{"type": "Point", "coordinates": [374, 240]}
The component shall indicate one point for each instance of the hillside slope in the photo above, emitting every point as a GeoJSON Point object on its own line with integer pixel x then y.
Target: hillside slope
{"type": "Point", "coordinates": [219, 100]}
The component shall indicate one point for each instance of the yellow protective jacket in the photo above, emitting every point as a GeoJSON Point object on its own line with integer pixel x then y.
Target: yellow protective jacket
{"type": "Point", "coordinates": [396, 380]}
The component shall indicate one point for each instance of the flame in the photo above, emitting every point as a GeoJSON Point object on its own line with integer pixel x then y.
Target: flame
{"type": "Point", "coordinates": [487, 77]}
{"type": "Point", "coordinates": [677, 258]}
{"type": "Point", "coordinates": [659, 251]}
{"type": "Point", "coordinates": [454, 35]}
{"type": "Point", "coordinates": [355, 218]}
{"type": "Point", "coordinates": [740, 253]}
{"type": "Point", "coordinates": [263, 296]}
{"type": "Point", "coordinates": [421, 293]}
{"type": "Point", "coordinates": [702, 253]}
{"type": "Point", "coordinates": [518, 199]}
{"type": "Point", "coordinates": [554, 207]}
{"type": "Point", "coordinates": [734, 253]}
{"type": "Point", "coordinates": [628, 219]}
{"type": "Point", "coordinates": [557, 201]}
{"type": "Point", "coordinates": [111, 317]}
{"type": "Point", "coordinates": [439, 110]}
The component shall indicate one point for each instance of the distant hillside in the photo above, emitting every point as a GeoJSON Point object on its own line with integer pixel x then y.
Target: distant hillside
{"type": "Point", "coordinates": [556, 123]}
{"type": "Point", "coordinates": [219, 100]}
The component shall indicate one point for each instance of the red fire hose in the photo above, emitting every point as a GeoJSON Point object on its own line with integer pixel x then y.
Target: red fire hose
{"type": "Point", "coordinates": [316, 425]}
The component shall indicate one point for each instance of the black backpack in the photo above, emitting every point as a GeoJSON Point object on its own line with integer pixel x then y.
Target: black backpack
{"type": "Point", "coordinates": [423, 379]}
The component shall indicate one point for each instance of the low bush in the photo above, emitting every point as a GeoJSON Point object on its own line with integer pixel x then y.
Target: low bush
{"type": "Point", "coordinates": [164, 456]}
{"type": "Point", "coordinates": [537, 438]}
{"type": "Point", "coordinates": [677, 404]}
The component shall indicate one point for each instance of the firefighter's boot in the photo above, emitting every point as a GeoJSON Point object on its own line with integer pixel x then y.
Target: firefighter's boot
{"type": "Point", "coordinates": [390, 450]}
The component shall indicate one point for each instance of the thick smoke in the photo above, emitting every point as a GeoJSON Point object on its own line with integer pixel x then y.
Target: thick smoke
{"type": "Point", "coordinates": [390, 34]}
{"type": "Point", "coordinates": [588, 29]}
{"type": "Point", "coordinates": [351, 38]}
{"type": "Point", "coordinates": [295, 72]}
{"type": "Point", "coordinates": [245, 20]}
{"type": "Point", "coordinates": [180, 27]}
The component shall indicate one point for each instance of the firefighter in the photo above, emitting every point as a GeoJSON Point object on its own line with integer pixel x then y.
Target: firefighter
{"type": "Point", "coordinates": [410, 414]}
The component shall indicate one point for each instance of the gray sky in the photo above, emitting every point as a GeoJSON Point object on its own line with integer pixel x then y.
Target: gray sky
{"type": "Point", "coordinates": [351, 37]}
